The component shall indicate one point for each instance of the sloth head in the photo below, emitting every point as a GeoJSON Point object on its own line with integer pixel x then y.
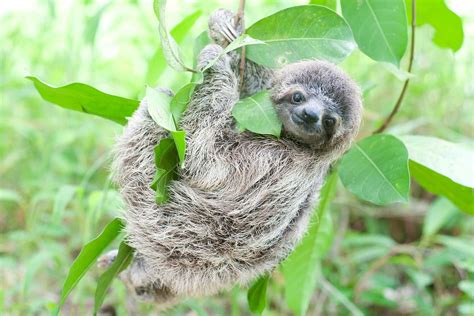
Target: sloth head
{"type": "Point", "coordinates": [318, 103]}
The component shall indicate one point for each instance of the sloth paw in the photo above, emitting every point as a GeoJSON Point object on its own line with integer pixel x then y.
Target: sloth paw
{"type": "Point", "coordinates": [106, 260]}
{"type": "Point", "coordinates": [222, 28]}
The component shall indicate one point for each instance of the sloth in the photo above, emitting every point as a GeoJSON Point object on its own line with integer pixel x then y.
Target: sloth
{"type": "Point", "coordinates": [242, 201]}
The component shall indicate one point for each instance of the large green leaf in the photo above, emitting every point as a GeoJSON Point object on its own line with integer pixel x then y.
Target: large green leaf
{"type": "Point", "coordinates": [301, 267]}
{"type": "Point", "coordinates": [443, 168]}
{"type": "Point", "coordinates": [449, 159]}
{"type": "Point", "coordinates": [331, 4]}
{"type": "Point", "coordinates": [166, 161]}
{"type": "Point", "coordinates": [157, 63]}
{"type": "Point", "coordinates": [121, 262]}
{"type": "Point", "coordinates": [170, 47]}
{"type": "Point", "coordinates": [438, 184]}
{"type": "Point", "coordinates": [376, 170]}
{"type": "Point", "coordinates": [447, 24]}
{"type": "Point", "coordinates": [301, 32]}
{"type": "Point", "coordinates": [257, 295]}
{"type": "Point", "coordinates": [379, 26]}
{"type": "Point", "coordinates": [87, 257]}
{"type": "Point", "coordinates": [83, 98]}
{"type": "Point", "coordinates": [257, 114]}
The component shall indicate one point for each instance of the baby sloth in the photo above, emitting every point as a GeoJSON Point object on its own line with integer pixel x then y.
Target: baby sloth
{"type": "Point", "coordinates": [242, 202]}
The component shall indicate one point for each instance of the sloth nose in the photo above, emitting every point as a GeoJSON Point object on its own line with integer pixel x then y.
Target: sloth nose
{"type": "Point", "coordinates": [310, 115]}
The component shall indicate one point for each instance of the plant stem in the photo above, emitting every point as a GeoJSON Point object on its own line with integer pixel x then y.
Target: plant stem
{"type": "Point", "coordinates": [239, 18]}
{"type": "Point", "coordinates": [378, 264]}
{"type": "Point", "coordinates": [410, 65]}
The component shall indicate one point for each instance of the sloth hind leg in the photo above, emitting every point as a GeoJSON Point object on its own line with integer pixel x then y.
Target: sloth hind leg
{"type": "Point", "coordinates": [138, 281]}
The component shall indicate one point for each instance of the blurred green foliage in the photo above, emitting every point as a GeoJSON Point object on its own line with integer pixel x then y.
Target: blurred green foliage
{"type": "Point", "coordinates": [55, 192]}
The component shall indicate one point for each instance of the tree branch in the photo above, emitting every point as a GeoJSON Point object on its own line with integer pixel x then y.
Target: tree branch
{"type": "Point", "coordinates": [410, 65]}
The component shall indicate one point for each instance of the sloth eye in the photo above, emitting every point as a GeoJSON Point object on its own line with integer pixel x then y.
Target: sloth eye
{"type": "Point", "coordinates": [297, 97]}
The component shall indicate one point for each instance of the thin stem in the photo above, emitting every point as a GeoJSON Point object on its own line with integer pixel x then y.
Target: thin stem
{"type": "Point", "coordinates": [239, 18]}
{"type": "Point", "coordinates": [240, 14]}
{"type": "Point", "coordinates": [378, 264]}
{"type": "Point", "coordinates": [410, 65]}
{"type": "Point", "coordinates": [332, 290]}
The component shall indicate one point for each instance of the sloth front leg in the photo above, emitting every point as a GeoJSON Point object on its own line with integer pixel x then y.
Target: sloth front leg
{"type": "Point", "coordinates": [223, 31]}
{"type": "Point", "coordinates": [215, 97]}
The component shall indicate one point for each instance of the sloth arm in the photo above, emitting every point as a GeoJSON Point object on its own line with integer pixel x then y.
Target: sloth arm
{"type": "Point", "coordinates": [208, 118]}
{"type": "Point", "coordinates": [223, 30]}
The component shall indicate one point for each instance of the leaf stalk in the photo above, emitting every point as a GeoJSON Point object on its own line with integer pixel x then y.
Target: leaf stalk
{"type": "Point", "coordinates": [398, 104]}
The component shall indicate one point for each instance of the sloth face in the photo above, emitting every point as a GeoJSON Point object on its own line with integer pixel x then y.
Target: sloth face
{"type": "Point", "coordinates": [312, 119]}
{"type": "Point", "coordinates": [318, 104]}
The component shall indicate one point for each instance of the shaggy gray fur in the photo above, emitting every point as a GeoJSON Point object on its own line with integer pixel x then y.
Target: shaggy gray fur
{"type": "Point", "coordinates": [242, 202]}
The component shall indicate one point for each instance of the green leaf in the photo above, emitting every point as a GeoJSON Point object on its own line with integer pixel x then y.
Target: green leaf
{"type": "Point", "coordinates": [92, 24]}
{"type": "Point", "coordinates": [199, 43]}
{"type": "Point", "coordinates": [121, 262]}
{"type": "Point", "coordinates": [181, 99]}
{"type": "Point", "coordinates": [257, 114]}
{"type": "Point", "coordinates": [83, 98]}
{"type": "Point", "coordinates": [461, 246]}
{"type": "Point", "coordinates": [300, 269]}
{"type": "Point", "coordinates": [419, 278]}
{"type": "Point", "coordinates": [9, 196]}
{"type": "Point", "coordinates": [467, 286]}
{"type": "Point", "coordinates": [440, 212]}
{"type": "Point", "coordinates": [443, 168]}
{"type": "Point", "coordinates": [87, 257]}
{"type": "Point", "coordinates": [257, 295]}
{"type": "Point", "coordinates": [449, 159]}
{"type": "Point", "coordinates": [157, 63]}
{"type": "Point", "coordinates": [170, 47]}
{"type": "Point", "coordinates": [366, 247]}
{"type": "Point", "coordinates": [438, 184]}
{"type": "Point", "coordinates": [159, 109]}
{"type": "Point", "coordinates": [376, 170]}
{"type": "Point", "coordinates": [166, 161]}
{"type": "Point", "coordinates": [179, 138]}
{"type": "Point", "coordinates": [331, 4]}
{"type": "Point", "coordinates": [379, 26]}
{"type": "Point", "coordinates": [367, 240]}
{"type": "Point", "coordinates": [64, 196]}
{"type": "Point", "coordinates": [448, 25]}
{"type": "Point", "coordinates": [400, 74]}
{"type": "Point", "coordinates": [242, 40]}
{"type": "Point", "coordinates": [300, 32]}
